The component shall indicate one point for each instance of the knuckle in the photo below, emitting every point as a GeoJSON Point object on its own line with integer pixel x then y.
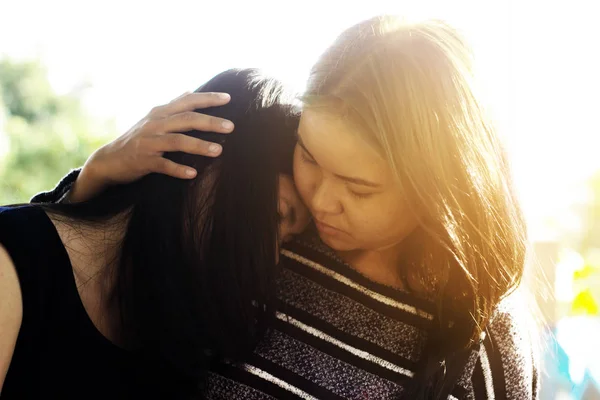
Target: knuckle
{"type": "Point", "coordinates": [159, 165]}
{"type": "Point", "coordinates": [188, 116]}
{"type": "Point", "coordinates": [148, 124]}
{"type": "Point", "coordinates": [181, 98]}
{"type": "Point", "coordinates": [175, 140]}
{"type": "Point", "coordinates": [147, 169]}
{"type": "Point", "coordinates": [145, 146]}
{"type": "Point", "coordinates": [155, 110]}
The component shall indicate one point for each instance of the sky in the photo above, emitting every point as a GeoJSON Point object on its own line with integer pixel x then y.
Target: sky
{"type": "Point", "coordinates": [538, 62]}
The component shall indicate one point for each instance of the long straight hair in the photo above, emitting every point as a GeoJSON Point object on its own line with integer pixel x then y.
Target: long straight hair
{"type": "Point", "coordinates": [409, 89]}
{"type": "Point", "coordinates": [194, 278]}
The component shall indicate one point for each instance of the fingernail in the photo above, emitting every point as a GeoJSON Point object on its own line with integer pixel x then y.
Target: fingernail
{"type": "Point", "coordinates": [214, 148]}
{"type": "Point", "coordinates": [224, 96]}
{"type": "Point", "coordinates": [227, 125]}
{"type": "Point", "coordinates": [190, 172]}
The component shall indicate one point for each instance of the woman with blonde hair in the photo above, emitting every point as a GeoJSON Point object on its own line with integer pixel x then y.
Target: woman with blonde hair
{"type": "Point", "coordinates": [406, 287]}
{"type": "Point", "coordinates": [394, 104]}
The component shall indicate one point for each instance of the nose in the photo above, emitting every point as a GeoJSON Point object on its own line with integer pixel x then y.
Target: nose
{"type": "Point", "coordinates": [324, 199]}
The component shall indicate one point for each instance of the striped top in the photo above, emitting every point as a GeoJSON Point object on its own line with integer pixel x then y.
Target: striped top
{"type": "Point", "coordinates": [338, 335]}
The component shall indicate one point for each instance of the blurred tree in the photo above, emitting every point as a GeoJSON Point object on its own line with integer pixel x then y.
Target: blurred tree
{"type": "Point", "coordinates": [42, 135]}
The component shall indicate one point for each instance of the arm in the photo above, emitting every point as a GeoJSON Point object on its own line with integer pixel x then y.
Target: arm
{"type": "Point", "coordinates": [11, 312]}
{"type": "Point", "coordinates": [140, 150]}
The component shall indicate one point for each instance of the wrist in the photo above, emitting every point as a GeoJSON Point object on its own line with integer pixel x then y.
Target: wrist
{"type": "Point", "coordinates": [91, 180]}
{"type": "Point", "coordinates": [95, 171]}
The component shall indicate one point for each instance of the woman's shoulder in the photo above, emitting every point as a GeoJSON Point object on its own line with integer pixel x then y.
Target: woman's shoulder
{"type": "Point", "coordinates": [513, 323]}
{"type": "Point", "coordinates": [18, 215]}
{"type": "Point", "coordinates": [19, 221]}
{"type": "Point", "coordinates": [508, 362]}
{"type": "Point", "coordinates": [29, 237]}
{"type": "Point", "coordinates": [22, 224]}
{"type": "Point", "coordinates": [11, 311]}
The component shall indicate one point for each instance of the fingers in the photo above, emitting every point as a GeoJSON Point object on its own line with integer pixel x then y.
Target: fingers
{"type": "Point", "coordinates": [194, 101]}
{"type": "Point", "coordinates": [186, 144]}
{"type": "Point", "coordinates": [167, 167]}
{"type": "Point", "coordinates": [190, 120]}
{"type": "Point", "coordinates": [181, 95]}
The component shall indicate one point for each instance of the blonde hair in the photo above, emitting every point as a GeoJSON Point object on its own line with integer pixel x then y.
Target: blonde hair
{"type": "Point", "coordinates": [409, 88]}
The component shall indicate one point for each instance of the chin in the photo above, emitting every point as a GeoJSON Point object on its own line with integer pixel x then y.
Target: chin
{"type": "Point", "coordinates": [336, 243]}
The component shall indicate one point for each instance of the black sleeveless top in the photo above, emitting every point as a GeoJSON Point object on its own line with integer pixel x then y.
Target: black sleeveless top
{"type": "Point", "coordinates": [59, 352]}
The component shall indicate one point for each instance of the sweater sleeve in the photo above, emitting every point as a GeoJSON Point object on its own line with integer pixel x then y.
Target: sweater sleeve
{"type": "Point", "coordinates": [507, 366]}
{"type": "Point", "coordinates": [57, 194]}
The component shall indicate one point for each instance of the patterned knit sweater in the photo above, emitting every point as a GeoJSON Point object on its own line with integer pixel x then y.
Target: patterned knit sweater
{"type": "Point", "coordinates": [338, 335]}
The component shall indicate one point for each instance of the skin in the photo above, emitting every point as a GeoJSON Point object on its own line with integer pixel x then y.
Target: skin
{"type": "Point", "coordinates": [11, 311]}
{"type": "Point", "coordinates": [350, 190]}
{"type": "Point", "coordinates": [293, 213]}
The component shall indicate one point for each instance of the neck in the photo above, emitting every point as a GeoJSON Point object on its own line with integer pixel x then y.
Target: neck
{"type": "Point", "coordinates": [381, 266]}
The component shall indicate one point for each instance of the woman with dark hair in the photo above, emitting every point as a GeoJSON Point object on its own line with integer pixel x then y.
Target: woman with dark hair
{"type": "Point", "coordinates": [134, 293]}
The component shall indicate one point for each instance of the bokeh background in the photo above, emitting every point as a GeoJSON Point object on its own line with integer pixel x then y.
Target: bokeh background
{"type": "Point", "coordinates": [75, 74]}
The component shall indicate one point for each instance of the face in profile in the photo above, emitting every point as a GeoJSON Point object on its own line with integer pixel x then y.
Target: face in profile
{"type": "Point", "coordinates": [348, 187]}
{"type": "Point", "coordinates": [293, 214]}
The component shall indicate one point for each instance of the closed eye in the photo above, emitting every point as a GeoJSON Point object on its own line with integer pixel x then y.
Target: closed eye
{"type": "Point", "coordinates": [359, 195]}
{"type": "Point", "coordinates": [289, 217]}
{"type": "Point", "coordinates": [306, 158]}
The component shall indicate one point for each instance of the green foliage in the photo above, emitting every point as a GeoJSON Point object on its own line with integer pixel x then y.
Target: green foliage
{"type": "Point", "coordinates": [42, 135]}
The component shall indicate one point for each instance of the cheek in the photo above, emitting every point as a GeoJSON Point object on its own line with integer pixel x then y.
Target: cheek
{"type": "Point", "coordinates": [381, 221]}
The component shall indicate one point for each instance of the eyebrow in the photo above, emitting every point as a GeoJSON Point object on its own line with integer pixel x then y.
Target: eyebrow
{"type": "Point", "coordinates": [350, 179]}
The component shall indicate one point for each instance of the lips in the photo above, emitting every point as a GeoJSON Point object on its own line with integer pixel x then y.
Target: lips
{"type": "Point", "coordinates": [327, 225]}
{"type": "Point", "coordinates": [327, 229]}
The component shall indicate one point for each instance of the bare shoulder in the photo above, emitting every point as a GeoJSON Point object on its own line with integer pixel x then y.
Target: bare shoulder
{"type": "Point", "coordinates": [11, 311]}
{"type": "Point", "coordinates": [10, 289]}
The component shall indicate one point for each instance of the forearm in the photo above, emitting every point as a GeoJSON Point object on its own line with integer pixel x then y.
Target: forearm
{"type": "Point", "coordinates": [89, 184]}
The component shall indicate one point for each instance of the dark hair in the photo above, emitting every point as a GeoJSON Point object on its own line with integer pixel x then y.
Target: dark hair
{"type": "Point", "coordinates": [195, 276]}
